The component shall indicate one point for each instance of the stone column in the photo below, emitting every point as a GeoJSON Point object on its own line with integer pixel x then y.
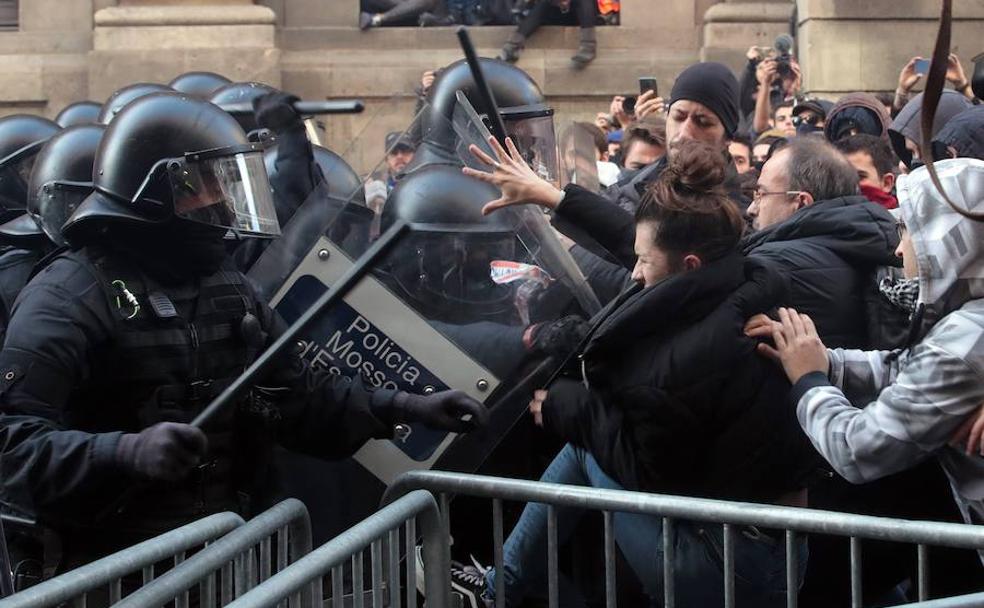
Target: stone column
{"type": "Point", "coordinates": [734, 25]}
{"type": "Point", "coordinates": [861, 46]}
{"type": "Point", "coordinates": [155, 40]}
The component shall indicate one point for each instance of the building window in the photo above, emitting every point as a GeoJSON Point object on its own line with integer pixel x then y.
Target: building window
{"type": "Point", "coordinates": [8, 14]}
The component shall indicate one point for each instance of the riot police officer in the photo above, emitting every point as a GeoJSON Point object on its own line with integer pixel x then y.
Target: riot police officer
{"type": "Point", "coordinates": [21, 138]}
{"type": "Point", "coordinates": [198, 84]}
{"type": "Point", "coordinates": [116, 345]}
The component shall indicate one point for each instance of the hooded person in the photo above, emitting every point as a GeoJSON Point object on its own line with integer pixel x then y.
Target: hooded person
{"type": "Point", "coordinates": [856, 113]}
{"type": "Point", "coordinates": [874, 413]}
{"type": "Point", "coordinates": [905, 133]}
{"type": "Point", "coordinates": [962, 136]}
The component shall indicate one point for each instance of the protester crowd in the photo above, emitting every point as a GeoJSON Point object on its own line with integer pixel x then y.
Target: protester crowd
{"type": "Point", "coordinates": [791, 308]}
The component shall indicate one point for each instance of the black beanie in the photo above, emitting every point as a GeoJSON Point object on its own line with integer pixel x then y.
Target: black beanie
{"type": "Point", "coordinates": [713, 85]}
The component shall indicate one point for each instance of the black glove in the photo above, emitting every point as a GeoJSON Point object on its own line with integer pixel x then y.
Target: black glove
{"type": "Point", "coordinates": [557, 338]}
{"type": "Point", "coordinates": [166, 451]}
{"type": "Point", "coordinates": [275, 111]}
{"type": "Point", "coordinates": [442, 410]}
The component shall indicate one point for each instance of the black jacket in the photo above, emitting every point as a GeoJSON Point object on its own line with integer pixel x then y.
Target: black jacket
{"type": "Point", "coordinates": [677, 400]}
{"type": "Point", "coordinates": [59, 457]}
{"type": "Point", "coordinates": [830, 250]}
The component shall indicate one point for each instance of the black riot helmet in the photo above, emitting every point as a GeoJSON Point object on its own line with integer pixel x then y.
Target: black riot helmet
{"type": "Point", "coordinates": [199, 84]}
{"type": "Point", "coordinates": [21, 138]}
{"type": "Point", "coordinates": [242, 92]}
{"type": "Point", "coordinates": [168, 155]}
{"type": "Point", "coordinates": [61, 179]}
{"type": "Point", "coordinates": [79, 113]}
{"type": "Point", "coordinates": [342, 180]}
{"type": "Point", "coordinates": [120, 98]}
{"type": "Point", "coordinates": [454, 249]}
{"type": "Point", "coordinates": [511, 87]}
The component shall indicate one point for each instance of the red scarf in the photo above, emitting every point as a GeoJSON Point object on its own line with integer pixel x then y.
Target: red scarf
{"type": "Point", "coordinates": [879, 197]}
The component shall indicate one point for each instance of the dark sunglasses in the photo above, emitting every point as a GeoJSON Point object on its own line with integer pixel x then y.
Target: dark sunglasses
{"type": "Point", "coordinates": [810, 119]}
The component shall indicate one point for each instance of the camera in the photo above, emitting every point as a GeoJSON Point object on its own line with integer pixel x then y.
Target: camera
{"type": "Point", "coordinates": [784, 55]}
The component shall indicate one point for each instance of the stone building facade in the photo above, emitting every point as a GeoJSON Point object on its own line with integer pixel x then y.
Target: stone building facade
{"type": "Point", "coordinates": [66, 50]}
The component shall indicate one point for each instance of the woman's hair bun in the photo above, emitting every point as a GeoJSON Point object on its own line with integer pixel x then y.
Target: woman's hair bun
{"type": "Point", "coordinates": [696, 167]}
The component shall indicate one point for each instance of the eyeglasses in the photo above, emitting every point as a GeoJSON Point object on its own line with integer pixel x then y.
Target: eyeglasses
{"type": "Point", "coordinates": [759, 194]}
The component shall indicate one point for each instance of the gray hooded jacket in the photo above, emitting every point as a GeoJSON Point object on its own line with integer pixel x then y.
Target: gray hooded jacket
{"type": "Point", "coordinates": [877, 414]}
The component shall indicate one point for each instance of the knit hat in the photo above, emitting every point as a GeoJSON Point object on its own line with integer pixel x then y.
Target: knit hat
{"type": "Point", "coordinates": [713, 85]}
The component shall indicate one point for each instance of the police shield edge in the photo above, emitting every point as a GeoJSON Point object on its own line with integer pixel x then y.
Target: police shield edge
{"type": "Point", "coordinates": [447, 308]}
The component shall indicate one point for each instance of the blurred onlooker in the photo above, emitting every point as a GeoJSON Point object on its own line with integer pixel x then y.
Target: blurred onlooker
{"type": "Point", "coordinates": [810, 116]}
{"type": "Point", "coordinates": [647, 104]}
{"type": "Point", "coordinates": [962, 137]}
{"type": "Point", "coordinates": [376, 13]}
{"type": "Point", "coordinates": [643, 144]}
{"type": "Point", "coordinates": [910, 76]}
{"type": "Point", "coordinates": [905, 132]}
{"type": "Point", "coordinates": [887, 100]}
{"type": "Point", "coordinates": [783, 75]}
{"type": "Point", "coordinates": [740, 149]}
{"type": "Point", "coordinates": [874, 161]}
{"type": "Point", "coordinates": [856, 113]}
{"type": "Point", "coordinates": [766, 144]}
{"type": "Point", "coordinates": [399, 154]}
{"type": "Point", "coordinates": [614, 139]}
{"type": "Point", "coordinates": [580, 12]}
{"type": "Point", "coordinates": [605, 122]}
{"type": "Point", "coordinates": [782, 118]}
{"type": "Point", "coordinates": [608, 171]}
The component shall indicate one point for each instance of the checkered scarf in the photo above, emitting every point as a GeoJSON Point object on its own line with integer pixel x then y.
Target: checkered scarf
{"type": "Point", "coordinates": [903, 293]}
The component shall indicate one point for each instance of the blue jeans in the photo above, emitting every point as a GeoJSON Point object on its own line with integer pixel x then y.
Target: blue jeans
{"type": "Point", "coordinates": [760, 560]}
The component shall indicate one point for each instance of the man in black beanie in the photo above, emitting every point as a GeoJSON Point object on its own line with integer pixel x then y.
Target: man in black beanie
{"type": "Point", "coordinates": [703, 107]}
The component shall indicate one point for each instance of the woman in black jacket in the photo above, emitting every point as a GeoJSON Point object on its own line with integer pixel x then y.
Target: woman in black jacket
{"type": "Point", "coordinates": [670, 398]}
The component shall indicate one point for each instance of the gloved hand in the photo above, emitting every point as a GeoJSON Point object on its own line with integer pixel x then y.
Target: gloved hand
{"type": "Point", "coordinates": [166, 451]}
{"type": "Point", "coordinates": [275, 111]}
{"type": "Point", "coordinates": [442, 410]}
{"type": "Point", "coordinates": [556, 338]}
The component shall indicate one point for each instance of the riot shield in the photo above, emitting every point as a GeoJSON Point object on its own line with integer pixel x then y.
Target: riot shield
{"type": "Point", "coordinates": [446, 309]}
{"type": "Point", "coordinates": [579, 156]}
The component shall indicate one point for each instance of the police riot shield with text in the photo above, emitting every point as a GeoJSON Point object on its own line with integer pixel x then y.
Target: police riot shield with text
{"type": "Point", "coordinates": [448, 307]}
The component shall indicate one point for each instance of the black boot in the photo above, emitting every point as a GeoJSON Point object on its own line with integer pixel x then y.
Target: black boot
{"type": "Point", "coordinates": [587, 49]}
{"type": "Point", "coordinates": [513, 46]}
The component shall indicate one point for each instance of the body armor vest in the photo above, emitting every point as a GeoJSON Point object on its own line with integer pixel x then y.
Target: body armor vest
{"type": "Point", "coordinates": [173, 349]}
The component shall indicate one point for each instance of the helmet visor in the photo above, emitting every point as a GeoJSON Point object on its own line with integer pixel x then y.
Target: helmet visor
{"type": "Point", "coordinates": [532, 130]}
{"type": "Point", "coordinates": [227, 189]}
{"type": "Point", "coordinates": [57, 201]}
{"type": "Point", "coordinates": [15, 173]}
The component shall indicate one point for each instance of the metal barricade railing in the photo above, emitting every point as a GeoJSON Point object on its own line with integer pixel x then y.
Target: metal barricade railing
{"type": "Point", "coordinates": [380, 534]}
{"type": "Point", "coordinates": [730, 514]}
{"type": "Point", "coordinates": [975, 600]}
{"type": "Point", "coordinates": [237, 562]}
{"type": "Point", "coordinates": [109, 571]}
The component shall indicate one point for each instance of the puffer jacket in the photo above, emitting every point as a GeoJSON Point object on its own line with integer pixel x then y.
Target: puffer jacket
{"type": "Point", "coordinates": [913, 403]}
{"type": "Point", "coordinates": [830, 251]}
{"type": "Point", "coordinates": [672, 397]}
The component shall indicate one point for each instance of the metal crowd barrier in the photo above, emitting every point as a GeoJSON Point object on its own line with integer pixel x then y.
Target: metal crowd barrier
{"type": "Point", "coordinates": [731, 514]}
{"type": "Point", "coordinates": [232, 565]}
{"type": "Point", "coordinates": [379, 533]}
{"type": "Point", "coordinates": [974, 600]}
{"type": "Point", "coordinates": [109, 571]}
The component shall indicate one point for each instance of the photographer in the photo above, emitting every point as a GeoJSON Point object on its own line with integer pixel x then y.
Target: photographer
{"type": "Point", "coordinates": [782, 73]}
{"type": "Point", "coordinates": [911, 75]}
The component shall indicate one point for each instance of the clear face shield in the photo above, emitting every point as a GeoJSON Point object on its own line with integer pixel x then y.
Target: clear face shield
{"type": "Point", "coordinates": [15, 173]}
{"type": "Point", "coordinates": [226, 188]}
{"type": "Point", "coordinates": [532, 130]}
{"type": "Point", "coordinates": [57, 201]}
